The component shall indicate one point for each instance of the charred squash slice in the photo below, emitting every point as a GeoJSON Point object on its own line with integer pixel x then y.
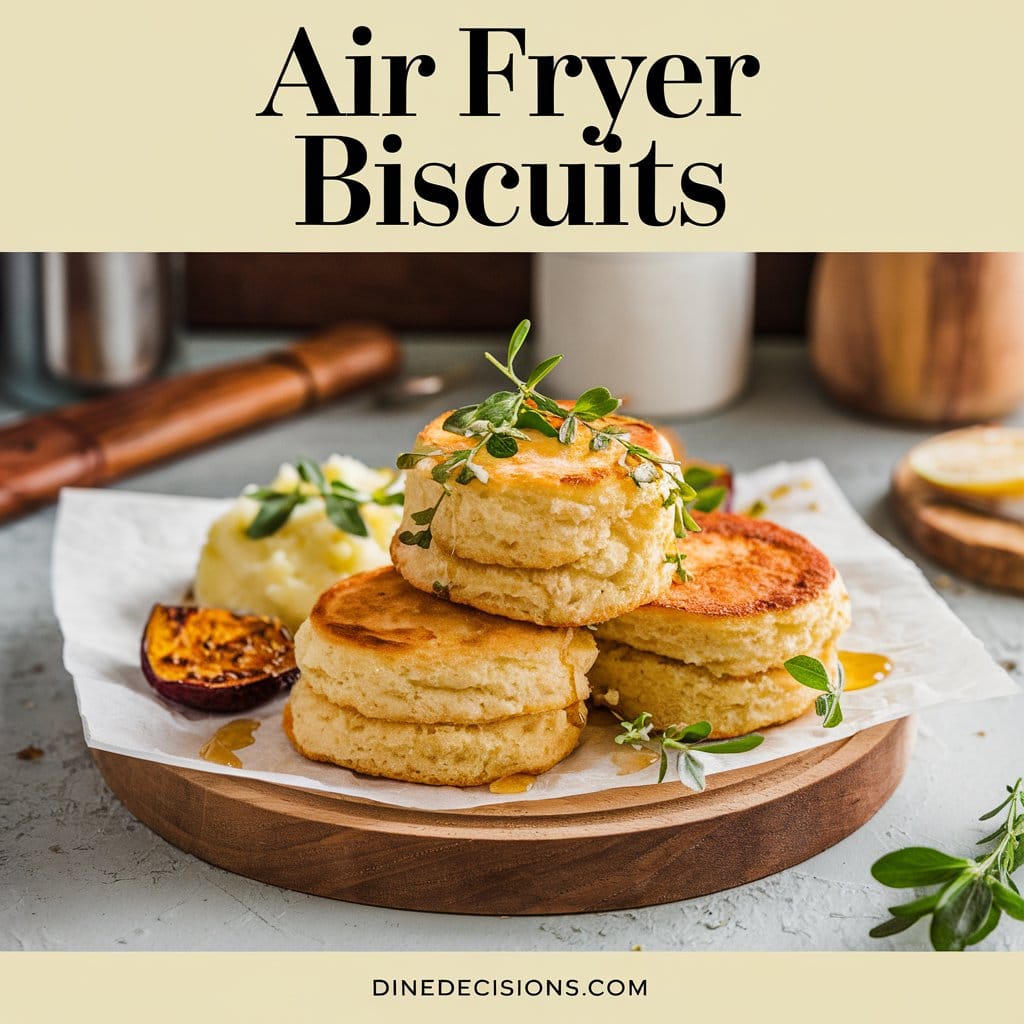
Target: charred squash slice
{"type": "Point", "coordinates": [216, 660]}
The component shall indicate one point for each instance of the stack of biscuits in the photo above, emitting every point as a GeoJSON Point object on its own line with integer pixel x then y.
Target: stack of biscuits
{"type": "Point", "coordinates": [713, 648]}
{"type": "Point", "coordinates": [468, 663]}
{"type": "Point", "coordinates": [405, 685]}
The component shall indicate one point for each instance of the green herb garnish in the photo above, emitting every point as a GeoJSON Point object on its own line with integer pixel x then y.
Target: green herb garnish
{"type": "Point", "coordinates": [677, 559]}
{"type": "Point", "coordinates": [812, 673]}
{"type": "Point", "coordinates": [709, 494]}
{"type": "Point", "coordinates": [497, 425]}
{"type": "Point", "coordinates": [341, 502]}
{"type": "Point", "coordinates": [973, 892]}
{"type": "Point", "coordinates": [686, 741]}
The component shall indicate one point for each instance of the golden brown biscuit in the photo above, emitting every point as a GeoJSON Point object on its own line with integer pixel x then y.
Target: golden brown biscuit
{"type": "Point", "coordinates": [609, 582]}
{"type": "Point", "coordinates": [438, 755]}
{"type": "Point", "coordinates": [713, 648]}
{"type": "Point", "coordinates": [378, 645]}
{"type": "Point", "coordinates": [408, 686]}
{"type": "Point", "coordinates": [675, 693]}
{"type": "Point", "coordinates": [759, 595]}
{"type": "Point", "coordinates": [559, 534]}
{"type": "Point", "coordinates": [549, 505]}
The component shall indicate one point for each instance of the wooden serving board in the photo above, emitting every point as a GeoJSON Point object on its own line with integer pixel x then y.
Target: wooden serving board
{"type": "Point", "coordinates": [612, 850]}
{"type": "Point", "coordinates": [979, 547]}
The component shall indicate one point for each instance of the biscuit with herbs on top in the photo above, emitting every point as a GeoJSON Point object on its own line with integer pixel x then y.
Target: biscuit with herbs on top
{"type": "Point", "coordinates": [558, 513]}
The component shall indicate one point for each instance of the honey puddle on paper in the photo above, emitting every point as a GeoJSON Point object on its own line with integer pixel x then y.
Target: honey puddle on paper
{"type": "Point", "coordinates": [863, 669]}
{"type": "Point", "coordinates": [629, 761]}
{"type": "Point", "coordinates": [513, 784]}
{"type": "Point", "coordinates": [221, 746]}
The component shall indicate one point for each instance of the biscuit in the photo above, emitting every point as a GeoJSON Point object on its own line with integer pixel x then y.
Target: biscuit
{"type": "Point", "coordinates": [559, 535]}
{"type": "Point", "coordinates": [759, 595]}
{"type": "Point", "coordinates": [676, 693]}
{"type": "Point", "coordinates": [375, 644]}
{"type": "Point", "coordinates": [713, 648]}
{"type": "Point", "coordinates": [608, 582]}
{"type": "Point", "coordinates": [437, 755]}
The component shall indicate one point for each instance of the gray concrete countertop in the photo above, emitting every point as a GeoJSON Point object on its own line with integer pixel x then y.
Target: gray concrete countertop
{"type": "Point", "coordinates": [77, 872]}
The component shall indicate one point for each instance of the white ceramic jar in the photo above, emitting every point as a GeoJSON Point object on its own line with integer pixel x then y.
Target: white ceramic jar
{"type": "Point", "coordinates": [668, 332]}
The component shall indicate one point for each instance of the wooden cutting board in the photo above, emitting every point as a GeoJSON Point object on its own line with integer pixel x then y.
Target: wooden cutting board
{"type": "Point", "coordinates": [971, 544]}
{"type": "Point", "coordinates": [611, 850]}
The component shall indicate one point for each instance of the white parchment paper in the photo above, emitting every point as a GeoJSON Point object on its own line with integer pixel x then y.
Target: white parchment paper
{"type": "Point", "coordinates": [117, 553]}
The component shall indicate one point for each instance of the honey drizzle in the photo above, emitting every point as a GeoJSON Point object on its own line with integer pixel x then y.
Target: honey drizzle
{"type": "Point", "coordinates": [563, 657]}
{"type": "Point", "coordinates": [863, 669]}
{"type": "Point", "coordinates": [513, 784]}
{"type": "Point", "coordinates": [629, 761]}
{"type": "Point", "coordinates": [220, 747]}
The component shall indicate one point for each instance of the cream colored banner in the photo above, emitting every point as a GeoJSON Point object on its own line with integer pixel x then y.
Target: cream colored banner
{"type": "Point", "coordinates": [352, 988]}
{"type": "Point", "coordinates": [875, 124]}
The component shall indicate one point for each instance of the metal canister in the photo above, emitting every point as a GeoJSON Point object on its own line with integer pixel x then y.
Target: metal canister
{"type": "Point", "coordinates": [77, 324]}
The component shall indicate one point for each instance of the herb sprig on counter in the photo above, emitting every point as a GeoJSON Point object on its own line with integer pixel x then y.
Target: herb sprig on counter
{"type": "Point", "coordinates": [973, 893]}
{"type": "Point", "coordinates": [341, 502]}
{"type": "Point", "coordinates": [497, 425]}
{"type": "Point", "coordinates": [812, 673]}
{"type": "Point", "coordinates": [686, 742]}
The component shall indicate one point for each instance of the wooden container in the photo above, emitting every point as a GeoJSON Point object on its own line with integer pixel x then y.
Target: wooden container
{"type": "Point", "coordinates": [924, 337]}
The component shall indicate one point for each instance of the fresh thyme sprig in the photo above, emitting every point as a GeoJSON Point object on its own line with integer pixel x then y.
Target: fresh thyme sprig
{"type": "Point", "coordinates": [812, 673]}
{"type": "Point", "coordinates": [710, 495]}
{"type": "Point", "coordinates": [497, 425]}
{"type": "Point", "coordinates": [677, 558]}
{"type": "Point", "coordinates": [341, 502]}
{"type": "Point", "coordinates": [973, 892]}
{"type": "Point", "coordinates": [686, 741]}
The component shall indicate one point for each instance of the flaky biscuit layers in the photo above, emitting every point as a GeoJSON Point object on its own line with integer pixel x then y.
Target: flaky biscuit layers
{"type": "Point", "coordinates": [401, 684]}
{"type": "Point", "coordinates": [437, 755]}
{"type": "Point", "coordinates": [713, 648]}
{"type": "Point", "coordinates": [559, 535]}
{"type": "Point", "coordinates": [675, 693]}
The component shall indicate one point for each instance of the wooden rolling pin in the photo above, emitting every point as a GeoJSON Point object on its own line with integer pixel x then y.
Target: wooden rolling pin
{"type": "Point", "coordinates": [97, 441]}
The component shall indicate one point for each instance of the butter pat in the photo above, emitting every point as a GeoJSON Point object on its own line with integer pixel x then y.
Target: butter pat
{"type": "Point", "coordinates": [283, 574]}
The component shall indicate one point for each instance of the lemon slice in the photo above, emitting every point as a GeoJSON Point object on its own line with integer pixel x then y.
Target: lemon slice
{"type": "Point", "coordinates": [981, 461]}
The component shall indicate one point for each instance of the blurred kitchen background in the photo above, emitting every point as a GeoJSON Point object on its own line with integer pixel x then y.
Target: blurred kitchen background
{"type": "Point", "coordinates": [78, 323]}
{"type": "Point", "coordinates": [132, 358]}
{"type": "Point", "coordinates": [927, 337]}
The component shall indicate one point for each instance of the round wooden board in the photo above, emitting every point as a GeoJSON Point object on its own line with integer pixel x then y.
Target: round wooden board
{"type": "Point", "coordinates": [978, 547]}
{"type": "Point", "coordinates": [612, 850]}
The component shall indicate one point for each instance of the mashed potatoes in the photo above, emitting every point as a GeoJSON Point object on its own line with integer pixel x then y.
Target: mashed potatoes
{"type": "Point", "coordinates": [285, 573]}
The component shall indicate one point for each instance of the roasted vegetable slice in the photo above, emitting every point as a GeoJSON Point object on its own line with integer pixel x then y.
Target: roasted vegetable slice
{"type": "Point", "coordinates": [215, 660]}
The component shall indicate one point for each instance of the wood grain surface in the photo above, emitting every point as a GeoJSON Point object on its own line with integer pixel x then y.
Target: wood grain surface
{"type": "Point", "coordinates": [93, 442]}
{"type": "Point", "coordinates": [924, 337]}
{"type": "Point", "coordinates": [615, 849]}
{"type": "Point", "coordinates": [982, 548]}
